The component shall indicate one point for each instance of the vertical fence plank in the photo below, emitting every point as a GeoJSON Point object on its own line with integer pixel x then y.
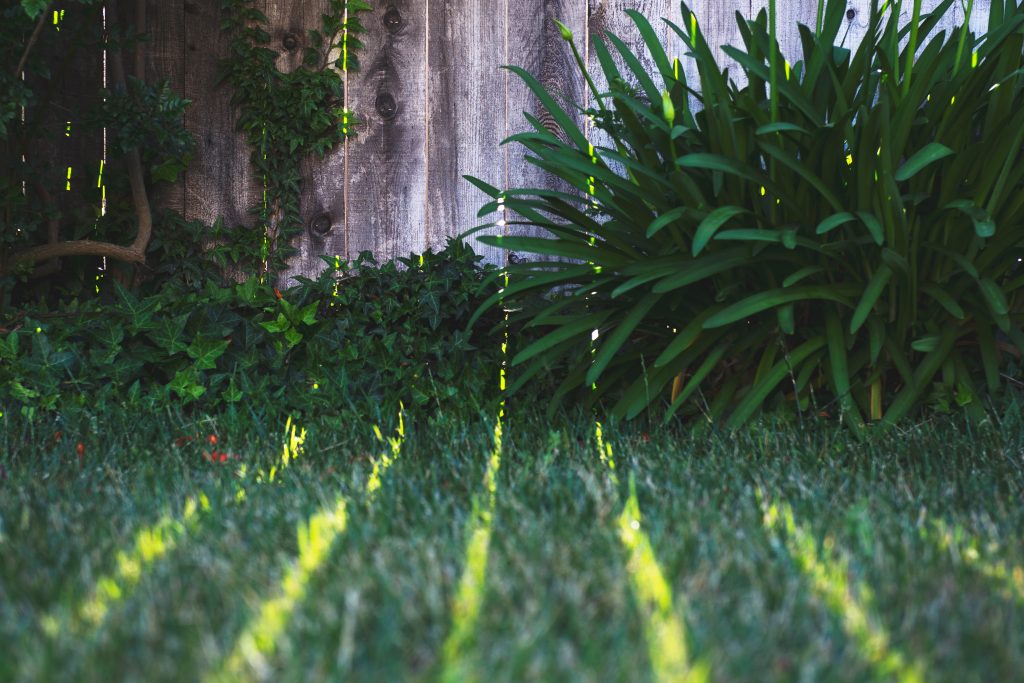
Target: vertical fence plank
{"type": "Point", "coordinates": [466, 114]}
{"type": "Point", "coordinates": [165, 60]}
{"type": "Point", "coordinates": [386, 164]}
{"type": "Point", "coordinates": [609, 17]}
{"type": "Point", "coordinates": [789, 15]}
{"type": "Point", "coordinates": [220, 182]}
{"type": "Point", "coordinates": [321, 202]}
{"type": "Point", "coordinates": [546, 56]}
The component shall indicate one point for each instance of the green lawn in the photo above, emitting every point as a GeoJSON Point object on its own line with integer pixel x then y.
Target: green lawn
{"type": "Point", "coordinates": [511, 554]}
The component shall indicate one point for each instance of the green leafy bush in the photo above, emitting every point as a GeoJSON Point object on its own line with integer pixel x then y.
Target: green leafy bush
{"type": "Point", "coordinates": [841, 233]}
{"type": "Point", "coordinates": [361, 338]}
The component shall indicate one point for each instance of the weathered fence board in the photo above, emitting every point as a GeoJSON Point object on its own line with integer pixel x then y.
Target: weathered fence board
{"type": "Point", "coordinates": [322, 199]}
{"type": "Point", "coordinates": [466, 113]}
{"type": "Point", "coordinates": [434, 105]}
{"type": "Point", "coordinates": [387, 160]}
{"type": "Point", "coordinates": [220, 182]}
{"type": "Point", "coordinates": [165, 50]}
{"type": "Point", "coordinates": [549, 58]}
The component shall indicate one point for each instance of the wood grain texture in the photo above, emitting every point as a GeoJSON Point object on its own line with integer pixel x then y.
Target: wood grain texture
{"type": "Point", "coordinates": [165, 60]}
{"type": "Point", "coordinates": [861, 10]}
{"type": "Point", "coordinates": [386, 162]}
{"type": "Point", "coordinates": [717, 23]}
{"type": "Point", "coordinates": [978, 21]}
{"type": "Point", "coordinates": [466, 114]}
{"type": "Point", "coordinates": [609, 16]}
{"type": "Point", "coordinates": [606, 17]}
{"type": "Point", "coordinates": [220, 182]}
{"type": "Point", "coordinates": [542, 52]}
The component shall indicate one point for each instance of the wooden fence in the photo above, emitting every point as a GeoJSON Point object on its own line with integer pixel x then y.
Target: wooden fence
{"type": "Point", "coordinates": [433, 99]}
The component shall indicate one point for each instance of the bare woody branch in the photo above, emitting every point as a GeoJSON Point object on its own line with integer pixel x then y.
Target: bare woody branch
{"type": "Point", "coordinates": [136, 251]}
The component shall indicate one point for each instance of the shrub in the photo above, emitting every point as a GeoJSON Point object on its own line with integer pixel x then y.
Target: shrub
{"type": "Point", "coordinates": [842, 230]}
{"type": "Point", "coordinates": [361, 338]}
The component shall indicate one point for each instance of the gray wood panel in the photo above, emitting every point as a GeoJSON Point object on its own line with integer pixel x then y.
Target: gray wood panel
{"type": "Point", "coordinates": [386, 162]}
{"type": "Point", "coordinates": [541, 51]}
{"type": "Point", "coordinates": [322, 198]}
{"type": "Point", "coordinates": [466, 114]}
{"type": "Point", "coordinates": [220, 182]}
{"type": "Point", "coordinates": [165, 59]}
{"type": "Point", "coordinates": [435, 104]}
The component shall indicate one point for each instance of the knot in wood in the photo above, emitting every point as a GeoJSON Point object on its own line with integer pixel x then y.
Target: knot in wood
{"type": "Point", "coordinates": [386, 106]}
{"type": "Point", "coordinates": [392, 20]}
{"type": "Point", "coordinates": [290, 41]}
{"type": "Point", "coordinates": [320, 225]}
{"type": "Point", "coordinates": [851, 13]}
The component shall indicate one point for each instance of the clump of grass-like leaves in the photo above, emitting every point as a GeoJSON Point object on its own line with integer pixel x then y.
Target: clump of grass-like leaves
{"type": "Point", "coordinates": [843, 231]}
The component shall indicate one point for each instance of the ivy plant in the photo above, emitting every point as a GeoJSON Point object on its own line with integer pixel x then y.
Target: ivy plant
{"type": "Point", "coordinates": [287, 116]}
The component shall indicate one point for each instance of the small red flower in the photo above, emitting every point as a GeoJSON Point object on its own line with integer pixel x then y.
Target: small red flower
{"type": "Point", "coordinates": [277, 293]}
{"type": "Point", "coordinates": [212, 439]}
{"type": "Point", "coordinates": [80, 449]}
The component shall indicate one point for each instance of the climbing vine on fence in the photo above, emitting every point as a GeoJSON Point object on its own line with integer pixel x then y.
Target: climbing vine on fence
{"type": "Point", "coordinates": [287, 116]}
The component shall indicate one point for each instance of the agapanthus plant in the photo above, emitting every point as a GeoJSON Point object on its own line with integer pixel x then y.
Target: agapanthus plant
{"type": "Point", "coordinates": [841, 233]}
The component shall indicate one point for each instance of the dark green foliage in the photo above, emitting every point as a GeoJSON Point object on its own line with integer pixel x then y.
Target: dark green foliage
{"type": "Point", "coordinates": [143, 117]}
{"type": "Point", "coordinates": [361, 339]}
{"type": "Point", "coordinates": [840, 234]}
{"type": "Point", "coordinates": [149, 118]}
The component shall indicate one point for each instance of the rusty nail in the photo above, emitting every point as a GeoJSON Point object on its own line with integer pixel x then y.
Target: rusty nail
{"type": "Point", "coordinates": [290, 41]}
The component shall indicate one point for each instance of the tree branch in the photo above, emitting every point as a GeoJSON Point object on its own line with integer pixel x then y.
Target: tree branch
{"type": "Point", "coordinates": [135, 178]}
{"type": "Point", "coordinates": [32, 40]}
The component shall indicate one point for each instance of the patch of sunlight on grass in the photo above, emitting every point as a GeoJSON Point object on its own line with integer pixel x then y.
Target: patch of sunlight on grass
{"type": "Point", "coordinates": [150, 544]}
{"type": "Point", "coordinates": [469, 599]}
{"type": "Point", "coordinates": [664, 631]}
{"type": "Point", "coordinates": [851, 602]}
{"type": "Point", "coordinates": [970, 551]}
{"type": "Point", "coordinates": [258, 641]}
{"type": "Point", "coordinates": [290, 451]}
{"type": "Point", "coordinates": [384, 461]}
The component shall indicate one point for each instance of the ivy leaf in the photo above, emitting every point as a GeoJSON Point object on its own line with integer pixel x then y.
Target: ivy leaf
{"type": "Point", "coordinates": [140, 312]}
{"type": "Point", "coordinates": [168, 333]}
{"type": "Point", "coordinates": [205, 352]}
{"type": "Point", "coordinates": [186, 385]}
{"type": "Point", "coordinates": [34, 7]}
